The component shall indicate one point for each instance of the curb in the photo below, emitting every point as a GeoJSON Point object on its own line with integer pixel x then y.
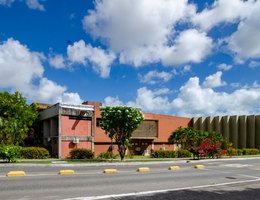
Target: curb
{"type": "Point", "coordinates": [110, 171]}
{"type": "Point", "coordinates": [174, 168]}
{"type": "Point", "coordinates": [16, 173]}
{"type": "Point", "coordinates": [143, 169]}
{"type": "Point", "coordinates": [66, 172]}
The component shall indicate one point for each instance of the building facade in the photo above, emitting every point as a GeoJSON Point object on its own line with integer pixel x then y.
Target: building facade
{"type": "Point", "coordinates": [65, 127]}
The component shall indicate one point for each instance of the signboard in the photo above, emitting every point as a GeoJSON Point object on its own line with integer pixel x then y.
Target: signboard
{"type": "Point", "coordinates": [147, 129]}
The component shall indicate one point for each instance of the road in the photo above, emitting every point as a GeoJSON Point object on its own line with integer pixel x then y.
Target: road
{"type": "Point", "coordinates": [228, 178]}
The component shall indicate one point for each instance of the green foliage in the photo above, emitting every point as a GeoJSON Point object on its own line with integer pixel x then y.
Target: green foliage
{"type": "Point", "coordinates": [234, 152]}
{"type": "Point", "coordinates": [81, 154]}
{"type": "Point", "coordinates": [16, 118]}
{"type": "Point", "coordinates": [119, 123]}
{"type": "Point", "coordinates": [250, 151]}
{"type": "Point", "coordinates": [164, 154]}
{"type": "Point", "coordinates": [34, 153]}
{"type": "Point", "coordinates": [107, 155]}
{"type": "Point", "coordinates": [198, 142]}
{"type": "Point", "coordinates": [183, 153]}
{"type": "Point", "coordinates": [10, 152]}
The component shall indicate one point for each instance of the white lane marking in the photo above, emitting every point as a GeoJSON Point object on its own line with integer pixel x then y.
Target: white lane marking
{"type": "Point", "coordinates": [237, 165]}
{"type": "Point", "coordinates": [160, 191]}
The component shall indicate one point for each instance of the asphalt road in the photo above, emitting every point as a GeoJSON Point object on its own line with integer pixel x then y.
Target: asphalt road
{"type": "Point", "coordinates": [225, 179]}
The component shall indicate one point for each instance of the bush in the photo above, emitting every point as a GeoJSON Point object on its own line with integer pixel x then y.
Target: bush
{"type": "Point", "coordinates": [10, 152]}
{"type": "Point", "coordinates": [34, 153]}
{"type": "Point", "coordinates": [183, 153]}
{"type": "Point", "coordinates": [234, 152]}
{"type": "Point", "coordinates": [81, 154]}
{"type": "Point", "coordinates": [107, 155]}
{"type": "Point", "coordinates": [250, 151]}
{"type": "Point", "coordinates": [164, 154]}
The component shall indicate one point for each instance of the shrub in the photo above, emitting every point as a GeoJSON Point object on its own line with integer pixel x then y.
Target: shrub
{"type": "Point", "coordinates": [34, 153]}
{"type": "Point", "coordinates": [107, 155]}
{"type": "Point", "coordinates": [250, 151]}
{"type": "Point", "coordinates": [234, 152]}
{"type": "Point", "coordinates": [183, 153]}
{"type": "Point", "coordinates": [10, 152]}
{"type": "Point", "coordinates": [81, 154]}
{"type": "Point", "coordinates": [164, 154]}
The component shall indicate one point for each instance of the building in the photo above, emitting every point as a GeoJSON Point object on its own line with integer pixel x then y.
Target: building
{"type": "Point", "coordinates": [64, 127]}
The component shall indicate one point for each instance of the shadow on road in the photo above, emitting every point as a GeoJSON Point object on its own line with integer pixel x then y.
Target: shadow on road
{"type": "Point", "coordinates": [250, 194]}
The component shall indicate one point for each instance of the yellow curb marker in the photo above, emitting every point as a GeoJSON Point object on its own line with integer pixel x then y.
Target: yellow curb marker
{"type": "Point", "coordinates": [16, 173]}
{"type": "Point", "coordinates": [66, 172]}
{"type": "Point", "coordinates": [143, 169]}
{"type": "Point", "coordinates": [199, 166]}
{"type": "Point", "coordinates": [174, 168]}
{"type": "Point", "coordinates": [110, 171]}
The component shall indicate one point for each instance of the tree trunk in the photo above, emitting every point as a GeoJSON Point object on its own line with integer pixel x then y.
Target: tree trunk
{"type": "Point", "coordinates": [121, 150]}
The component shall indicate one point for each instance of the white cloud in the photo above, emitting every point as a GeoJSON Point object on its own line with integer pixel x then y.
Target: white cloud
{"type": "Point", "coordinates": [194, 100]}
{"type": "Point", "coordinates": [100, 60]}
{"type": "Point", "coordinates": [214, 80]}
{"type": "Point", "coordinates": [112, 101]}
{"type": "Point", "coordinates": [153, 77]}
{"type": "Point", "coordinates": [223, 11]}
{"type": "Point", "coordinates": [35, 5]}
{"type": "Point", "coordinates": [57, 61]}
{"type": "Point", "coordinates": [72, 98]}
{"type": "Point", "coordinates": [191, 46]}
{"type": "Point", "coordinates": [32, 4]}
{"type": "Point", "coordinates": [224, 67]}
{"type": "Point", "coordinates": [152, 101]}
{"type": "Point", "coordinates": [22, 70]}
{"type": "Point", "coordinates": [143, 31]}
{"type": "Point", "coordinates": [18, 66]}
{"type": "Point", "coordinates": [186, 68]}
{"type": "Point", "coordinates": [245, 41]}
{"type": "Point", "coordinates": [6, 2]}
{"type": "Point", "coordinates": [254, 64]}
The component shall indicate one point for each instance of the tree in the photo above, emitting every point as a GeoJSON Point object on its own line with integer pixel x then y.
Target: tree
{"type": "Point", "coordinates": [119, 123]}
{"type": "Point", "coordinates": [16, 118]}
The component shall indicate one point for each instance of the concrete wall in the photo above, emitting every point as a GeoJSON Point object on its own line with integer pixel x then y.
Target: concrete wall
{"type": "Point", "coordinates": [242, 131]}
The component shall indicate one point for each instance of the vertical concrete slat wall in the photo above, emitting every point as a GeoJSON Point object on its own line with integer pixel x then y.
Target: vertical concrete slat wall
{"type": "Point", "coordinates": [242, 132]}
{"type": "Point", "coordinates": [234, 130]}
{"type": "Point", "coordinates": [218, 124]}
{"type": "Point", "coordinates": [210, 123]}
{"type": "Point", "coordinates": [257, 131]}
{"type": "Point", "coordinates": [225, 128]}
{"type": "Point", "coordinates": [251, 132]}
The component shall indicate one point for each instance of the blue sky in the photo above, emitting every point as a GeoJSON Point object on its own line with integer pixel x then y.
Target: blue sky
{"type": "Point", "coordinates": [186, 58]}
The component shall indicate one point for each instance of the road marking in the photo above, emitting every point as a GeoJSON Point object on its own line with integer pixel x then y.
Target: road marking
{"type": "Point", "coordinates": [161, 191]}
{"type": "Point", "coordinates": [237, 165]}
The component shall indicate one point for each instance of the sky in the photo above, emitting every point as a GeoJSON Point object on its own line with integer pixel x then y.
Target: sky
{"type": "Point", "coordinates": [183, 58]}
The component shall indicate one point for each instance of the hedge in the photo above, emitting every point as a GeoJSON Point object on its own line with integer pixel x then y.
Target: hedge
{"type": "Point", "coordinates": [34, 153]}
{"type": "Point", "coordinates": [81, 154]}
{"type": "Point", "coordinates": [107, 155]}
{"type": "Point", "coordinates": [10, 152]}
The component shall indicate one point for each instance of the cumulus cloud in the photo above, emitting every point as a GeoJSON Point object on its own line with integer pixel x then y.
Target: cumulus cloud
{"type": "Point", "coordinates": [152, 100]}
{"type": "Point", "coordinates": [223, 11]}
{"type": "Point", "coordinates": [6, 2]}
{"type": "Point", "coordinates": [245, 41]}
{"type": "Point", "coordinates": [32, 4]}
{"type": "Point", "coordinates": [83, 53]}
{"type": "Point", "coordinates": [214, 80]}
{"type": "Point", "coordinates": [254, 64]}
{"type": "Point", "coordinates": [112, 101]}
{"type": "Point", "coordinates": [224, 67]}
{"type": "Point", "coordinates": [143, 31]}
{"type": "Point", "coordinates": [184, 49]}
{"type": "Point", "coordinates": [35, 5]}
{"type": "Point", "coordinates": [22, 70]}
{"type": "Point", "coordinates": [153, 77]}
{"type": "Point", "coordinates": [57, 61]}
{"type": "Point", "coordinates": [195, 100]}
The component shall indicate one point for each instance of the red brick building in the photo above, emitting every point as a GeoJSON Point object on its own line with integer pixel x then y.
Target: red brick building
{"type": "Point", "coordinates": [65, 127]}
